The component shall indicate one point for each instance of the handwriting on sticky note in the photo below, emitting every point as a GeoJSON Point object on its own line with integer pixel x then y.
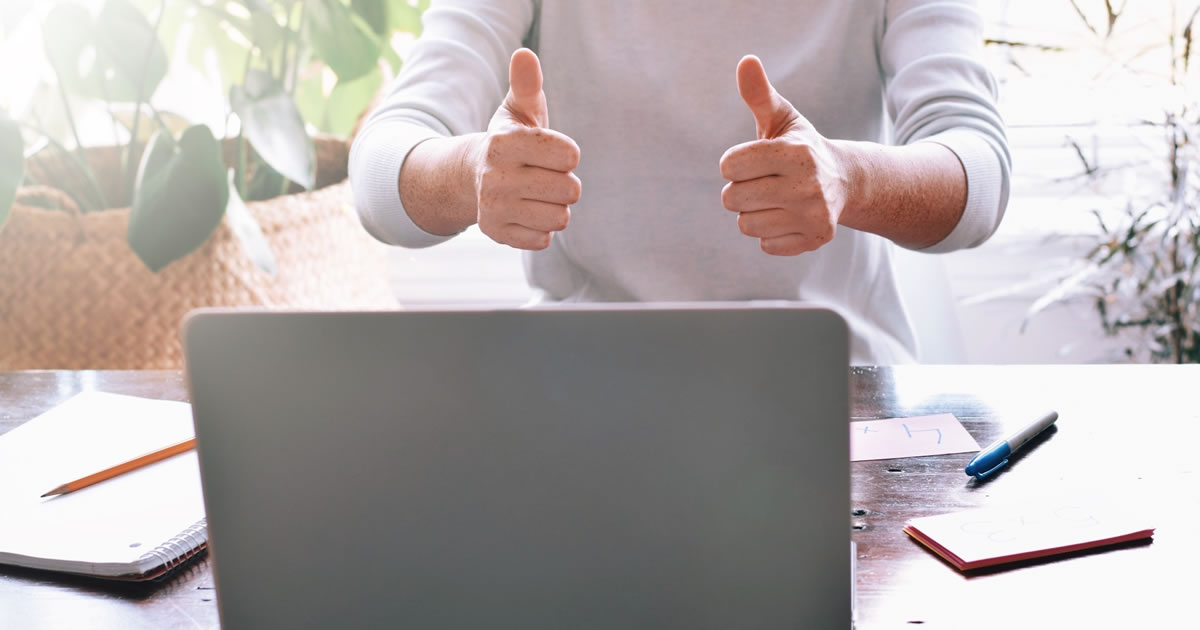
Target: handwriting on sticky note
{"type": "Point", "coordinates": [988, 536]}
{"type": "Point", "coordinates": [909, 437]}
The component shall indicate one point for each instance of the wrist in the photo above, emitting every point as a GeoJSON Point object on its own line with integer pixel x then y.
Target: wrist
{"type": "Point", "coordinates": [437, 184]}
{"type": "Point", "coordinates": [854, 159]}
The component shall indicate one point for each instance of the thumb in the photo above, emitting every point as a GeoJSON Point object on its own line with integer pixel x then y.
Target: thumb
{"type": "Point", "coordinates": [526, 102]}
{"type": "Point", "coordinates": [773, 114]}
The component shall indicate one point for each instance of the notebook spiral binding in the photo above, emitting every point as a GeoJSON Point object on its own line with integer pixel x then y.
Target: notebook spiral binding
{"type": "Point", "coordinates": [180, 548]}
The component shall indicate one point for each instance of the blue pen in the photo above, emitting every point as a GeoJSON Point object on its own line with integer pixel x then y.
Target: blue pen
{"type": "Point", "coordinates": [996, 454]}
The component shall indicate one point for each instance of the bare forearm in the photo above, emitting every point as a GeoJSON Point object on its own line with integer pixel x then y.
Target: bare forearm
{"type": "Point", "coordinates": [437, 184]}
{"type": "Point", "coordinates": [913, 194]}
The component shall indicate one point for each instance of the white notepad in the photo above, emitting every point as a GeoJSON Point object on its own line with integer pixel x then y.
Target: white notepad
{"type": "Point", "coordinates": [135, 526]}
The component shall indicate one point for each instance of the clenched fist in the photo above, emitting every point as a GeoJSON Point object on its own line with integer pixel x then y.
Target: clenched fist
{"type": "Point", "coordinates": [524, 182]}
{"type": "Point", "coordinates": [789, 186]}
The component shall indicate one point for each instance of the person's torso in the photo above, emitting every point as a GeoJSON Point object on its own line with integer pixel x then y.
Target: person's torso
{"type": "Point", "coordinates": [648, 91]}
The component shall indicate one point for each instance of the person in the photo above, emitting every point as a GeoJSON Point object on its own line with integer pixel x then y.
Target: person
{"type": "Point", "coordinates": [643, 154]}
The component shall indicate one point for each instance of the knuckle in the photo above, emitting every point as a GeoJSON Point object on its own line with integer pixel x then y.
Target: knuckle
{"type": "Point", "coordinates": [489, 230]}
{"type": "Point", "coordinates": [564, 149]}
{"type": "Point", "coordinates": [784, 246]}
{"type": "Point", "coordinates": [826, 235]}
{"type": "Point", "coordinates": [488, 220]}
{"type": "Point", "coordinates": [744, 225]}
{"type": "Point", "coordinates": [495, 146]}
{"type": "Point", "coordinates": [573, 156]}
{"type": "Point", "coordinates": [802, 155]}
{"type": "Point", "coordinates": [539, 241]}
{"type": "Point", "coordinates": [576, 190]}
{"type": "Point", "coordinates": [502, 143]}
{"type": "Point", "coordinates": [730, 163]}
{"type": "Point", "coordinates": [491, 182]}
{"type": "Point", "coordinates": [560, 218]}
{"type": "Point", "coordinates": [526, 136]}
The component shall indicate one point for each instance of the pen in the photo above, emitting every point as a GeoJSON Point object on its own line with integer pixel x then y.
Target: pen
{"type": "Point", "coordinates": [133, 464]}
{"type": "Point", "coordinates": [996, 454]}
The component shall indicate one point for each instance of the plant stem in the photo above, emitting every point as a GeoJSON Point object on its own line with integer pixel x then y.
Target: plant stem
{"type": "Point", "coordinates": [132, 150]}
{"type": "Point", "coordinates": [249, 61]}
{"type": "Point", "coordinates": [162, 125]}
{"type": "Point", "coordinates": [284, 66]}
{"type": "Point", "coordinates": [81, 154]}
{"type": "Point", "coordinates": [115, 123]}
{"type": "Point", "coordinates": [79, 164]}
{"type": "Point", "coordinates": [241, 164]}
{"type": "Point", "coordinates": [1083, 18]}
{"type": "Point", "coordinates": [290, 86]}
{"type": "Point", "coordinates": [241, 137]}
{"type": "Point", "coordinates": [284, 183]}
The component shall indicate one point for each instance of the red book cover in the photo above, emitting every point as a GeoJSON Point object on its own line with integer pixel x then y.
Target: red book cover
{"type": "Point", "coordinates": [984, 537]}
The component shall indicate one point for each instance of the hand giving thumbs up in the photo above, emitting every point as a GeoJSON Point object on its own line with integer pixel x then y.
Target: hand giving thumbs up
{"type": "Point", "coordinates": [789, 186]}
{"type": "Point", "coordinates": [523, 177]}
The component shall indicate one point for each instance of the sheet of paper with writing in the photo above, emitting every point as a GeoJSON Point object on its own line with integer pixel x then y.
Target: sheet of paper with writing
{"type": "Point", "coordinates": [909, 437]}
{"type": "Point", "coordinates": [984, 537]}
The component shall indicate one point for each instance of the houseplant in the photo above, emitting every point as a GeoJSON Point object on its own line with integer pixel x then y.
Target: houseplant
{"type": "Point", "coordinates": [107, 247]}
{"type": "Point", "coordinates": [1141, 269]}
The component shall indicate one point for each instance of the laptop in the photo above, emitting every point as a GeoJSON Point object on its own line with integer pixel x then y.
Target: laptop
{"type": "Point", "coordinates": [620, 466]}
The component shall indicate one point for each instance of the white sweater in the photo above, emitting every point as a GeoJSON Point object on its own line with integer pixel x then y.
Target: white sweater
{"type": "Point", "coordinates": [647, 90]}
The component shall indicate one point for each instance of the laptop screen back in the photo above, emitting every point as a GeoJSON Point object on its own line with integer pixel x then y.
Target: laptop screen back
{"type": "Point", "coordinates": [577, 468]}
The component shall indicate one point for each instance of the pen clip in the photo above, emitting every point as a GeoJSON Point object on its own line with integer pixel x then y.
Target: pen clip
{"type": "Point", "coordinates": [983, 475]}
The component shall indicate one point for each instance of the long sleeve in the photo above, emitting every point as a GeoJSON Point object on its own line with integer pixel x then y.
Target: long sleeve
{"type": "Point", "coordinates": [453, 80]}
{"type": "Point", "coordinates": [939, 90]}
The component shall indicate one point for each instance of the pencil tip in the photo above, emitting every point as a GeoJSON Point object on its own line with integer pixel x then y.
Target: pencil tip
{"type": "Point", "coordinates": [55, 491]}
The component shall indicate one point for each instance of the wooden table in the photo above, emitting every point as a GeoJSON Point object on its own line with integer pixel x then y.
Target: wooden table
{"type": "Point", "coordinates": [1127, 432]}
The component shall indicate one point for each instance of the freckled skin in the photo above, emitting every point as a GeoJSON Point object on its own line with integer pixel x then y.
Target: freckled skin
{"type": "Point", "coordinates": [791, 187]}
{"type": "Point", "coordinates": [515, 180]}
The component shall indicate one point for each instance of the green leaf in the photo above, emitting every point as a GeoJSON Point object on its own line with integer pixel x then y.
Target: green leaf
{"type": "Point", "coordinates": [375, 14]}
{"type": "Point", "coordinates": [175, 16]}
{"type": "Point", "coordinates": [265, 182]}
{"type": "Point", "coordinates": [158, 153]}
{"type": "Point", "coordinates": [311, 99]}
{"type": "Point", "coordinates": [405, 18]}
{"type": "Point", "coordinates": [247, 231]}
{"type": "Point", "coordinates": [212, 33]}
{"type": "Point", "coordinates": [265, 31]}
{"type": "Point", "coordinates": [272, 124]}
{"type": "Point", "coordinates": [67, 35]}
{"type": "Point", "coordinates": [12, 164]}
{"type": "Point", "coordinates": [349, 100]}
{"type": "Point", "coordinates": [341, 39]}
{"type": "Point", "coordinates": [179, 197]}
{"type": "Point", "coordinates": [116, 56]}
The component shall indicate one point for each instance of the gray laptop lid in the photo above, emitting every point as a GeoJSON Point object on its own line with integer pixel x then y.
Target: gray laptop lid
{"type": "Point", "coordinates": [535, 469]}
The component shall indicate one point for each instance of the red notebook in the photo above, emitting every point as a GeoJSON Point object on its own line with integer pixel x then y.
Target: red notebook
{"type": "Point", "coordinates": [984, 537]}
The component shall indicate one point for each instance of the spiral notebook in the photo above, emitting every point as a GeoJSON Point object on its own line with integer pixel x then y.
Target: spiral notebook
{"type": "Point", "coordinates": [136, 526]}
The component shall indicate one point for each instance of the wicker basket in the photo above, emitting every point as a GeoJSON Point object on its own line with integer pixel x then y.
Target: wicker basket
{"type": "Point", "coordinates": [73, 295]}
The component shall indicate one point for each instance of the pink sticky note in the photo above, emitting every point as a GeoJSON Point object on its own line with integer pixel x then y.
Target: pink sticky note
{"type": "Point", "coordinates": [909, 437]}
{"type": "Point", "coordinates": [984, 537]}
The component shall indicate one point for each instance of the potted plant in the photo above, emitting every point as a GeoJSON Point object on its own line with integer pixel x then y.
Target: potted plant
{"type": "Point", "coordinates": [1142, 269]}
{"type": "Point", "coordinates": [107, 247]}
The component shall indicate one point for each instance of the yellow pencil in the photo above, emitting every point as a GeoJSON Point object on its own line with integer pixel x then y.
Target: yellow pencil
{"type": "Point", "coordinates": [133, 464]}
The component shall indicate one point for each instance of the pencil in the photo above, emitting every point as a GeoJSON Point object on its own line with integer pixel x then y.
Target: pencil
{"type": "Point", "coordinates": [119, 469]}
